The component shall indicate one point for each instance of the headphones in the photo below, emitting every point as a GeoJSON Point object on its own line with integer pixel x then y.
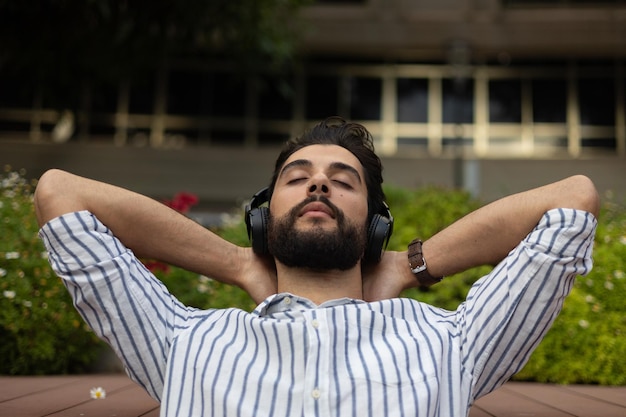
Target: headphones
{"type": "Point", "coordinates": [257, 219]}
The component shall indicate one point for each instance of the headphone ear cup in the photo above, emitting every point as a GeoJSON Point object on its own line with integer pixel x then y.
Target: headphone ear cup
{"type": "Point", "coordinates": [378, 234]}
{"type": "Point", "coordinates": [256, 222]}
{"type": "Point", "coordinates": [257, 219]}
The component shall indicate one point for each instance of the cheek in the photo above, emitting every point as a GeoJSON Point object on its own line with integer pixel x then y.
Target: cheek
{"type": "Point", "coordinates": [281, 204]}
{"type": "Point", "coordinates": [357, 211]}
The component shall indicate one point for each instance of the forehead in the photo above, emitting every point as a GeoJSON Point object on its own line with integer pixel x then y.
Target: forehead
{"type": "Point", "coordinates": [322, 156]}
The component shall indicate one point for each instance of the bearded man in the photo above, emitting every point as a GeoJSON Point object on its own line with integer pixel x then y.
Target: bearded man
{"type": "Point", "coordinates": [330, 335]}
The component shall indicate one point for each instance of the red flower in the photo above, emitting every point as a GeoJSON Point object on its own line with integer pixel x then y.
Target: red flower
{"type": "Point", "coordinates": [154, 266]}
{"type": "Point", "coordinates": [182, 202]}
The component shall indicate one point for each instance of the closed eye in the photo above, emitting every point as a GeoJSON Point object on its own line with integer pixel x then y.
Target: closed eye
{"type": "Point", "coordinates": [296, 180]}
{"type": "Point", "coordinates": [343, 184]}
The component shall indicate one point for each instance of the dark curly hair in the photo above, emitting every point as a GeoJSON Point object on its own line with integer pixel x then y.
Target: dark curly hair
{"type": "Point", "coordinates": [351, 136]}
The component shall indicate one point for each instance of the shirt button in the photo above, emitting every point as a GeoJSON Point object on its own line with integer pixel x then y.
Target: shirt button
{"type": "Point", "coordinates": [315, 323]}
{"type": "Point", "coordinates": [287, 300]}
{"type": "Point", "coordinates": [316, 393]}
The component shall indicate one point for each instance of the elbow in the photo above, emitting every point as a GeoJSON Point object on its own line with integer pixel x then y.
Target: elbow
{"type": "Point", "coordinates": [48, 195]}
{"type": "Point", "coordinates": [585, 194]}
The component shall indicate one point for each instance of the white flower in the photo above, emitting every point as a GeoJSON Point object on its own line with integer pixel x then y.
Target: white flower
{"type": "Point", "coordinates": [608, 285]}
{"type": "Point", "coordinates": [12, 255]}
{"type": "Point", "coordinates": [98, 393]}
{"type": "Point", "coordinates": [622, 240]}
{"type": "Point", "coordinates": [3, 272]}
{"type": "Point", "coordinates": [9, 294]}
{"type": "Point", "coordinates": [618, 274]}
{"type": "Point", "coordinates": [203, 284]}
{"type": "Point", "coordinates": [589, 298]}
{"type": "Point", "coordinates": [583, 323]}
{"type": "Point", "coordinates": [27, 303]}
{"type": "Point", "coordinates": [204, 279]}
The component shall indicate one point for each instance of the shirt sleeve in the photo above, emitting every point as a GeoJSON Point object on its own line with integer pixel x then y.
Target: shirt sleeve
{"type": "Point", "coordinates": [509, 311]}
{"type": "Point", "coordinates": [116, 295]}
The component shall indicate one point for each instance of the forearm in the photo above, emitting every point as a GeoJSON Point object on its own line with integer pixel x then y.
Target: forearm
{"type": "Point", "coordinates": [149, 228]}
{"type": "Point", "coordinates": [487, 235]}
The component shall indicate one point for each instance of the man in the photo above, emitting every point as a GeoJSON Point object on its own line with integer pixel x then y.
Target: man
{"type": "Point", "coordinates": [327, 338]}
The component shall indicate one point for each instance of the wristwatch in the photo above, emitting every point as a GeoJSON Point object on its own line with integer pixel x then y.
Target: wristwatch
{"type": "Point", "coordinates": [418, 266]}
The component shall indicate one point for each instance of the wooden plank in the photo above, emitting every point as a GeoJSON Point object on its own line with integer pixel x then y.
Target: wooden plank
{"type": "Point", "coordinates": [507, 403]}
{"type": "Point", "coordinates": [153, 413]}
{"type": "Point", "coordinates": [567, 401]}
{"type": "Point", "coordinates": [60, 395]}
{"type": "Point", "coordinates": [476, 411]}
{"type": "Point", "coordinates": [129, 401]}
{"type": "Point", "coordinates": [613, 395]}
{"type": "Point", "coordinates": [19, 386]}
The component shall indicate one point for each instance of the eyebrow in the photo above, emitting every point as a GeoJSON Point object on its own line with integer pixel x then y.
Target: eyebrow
{"type": "Point", "coordinates": [340, 166]}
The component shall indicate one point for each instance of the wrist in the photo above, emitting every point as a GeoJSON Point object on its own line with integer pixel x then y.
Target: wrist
{"type": "Point", "coordinates": [418, 265]}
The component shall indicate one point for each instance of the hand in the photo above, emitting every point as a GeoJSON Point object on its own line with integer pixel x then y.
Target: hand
{"type": "Point", "coordinates": [388, 278]}
{"type": "Point", "coordinates": [257, 275]}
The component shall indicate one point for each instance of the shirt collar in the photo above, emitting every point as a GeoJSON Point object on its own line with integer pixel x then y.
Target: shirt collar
{"type": "Point", "coordinates": [284, 302]}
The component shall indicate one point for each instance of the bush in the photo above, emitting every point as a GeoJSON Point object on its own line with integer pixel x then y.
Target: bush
{"type": "Point", "coordinates": [42, 333]}
{"type": "Point", "coordinates": [587, 343]}
{"type": "Point", "coordinates": [422, 213]}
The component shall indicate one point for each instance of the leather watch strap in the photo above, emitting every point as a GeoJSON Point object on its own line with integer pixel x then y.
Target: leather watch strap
{"type": "Point", "coordinates": [417, 262]}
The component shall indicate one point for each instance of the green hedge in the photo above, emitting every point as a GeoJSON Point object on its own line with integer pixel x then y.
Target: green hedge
{"type": "Point", "coordinates": [41, 332]}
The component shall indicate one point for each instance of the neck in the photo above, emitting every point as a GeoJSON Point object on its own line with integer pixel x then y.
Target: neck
{"type": "Point", "coordinates": [320, 286]}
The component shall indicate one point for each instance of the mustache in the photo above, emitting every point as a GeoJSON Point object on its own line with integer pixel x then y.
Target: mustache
{"type": "Point", "coordinates": [317, 198]}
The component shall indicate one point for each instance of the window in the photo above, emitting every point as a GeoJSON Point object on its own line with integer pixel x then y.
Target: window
{"type": "Point", "coordinates": [596, 97]}
{"type": "Point", "coordinates": [322, 97]}
{"type": "Point", "coordinates": [228, 95]}
{"type": "Point", "coordinates": [458, 101]}
{"type": "Point", "coordinates": [549, 101]}
{"type": "Point", "coordinates": [365, 97]}
{"type": "Point", "coordinates": [412, 104]}
{"type": "Point", "coordinates": [505, 102]}
{"type": "Point", "coordinates": [276, 98]}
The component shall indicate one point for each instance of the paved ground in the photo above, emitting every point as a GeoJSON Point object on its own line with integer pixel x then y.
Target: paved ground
{"type": "Point", "coordinates": [58, 396]}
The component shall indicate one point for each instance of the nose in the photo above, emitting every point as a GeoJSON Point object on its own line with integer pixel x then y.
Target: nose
{"type": "Point", "coordinates": [318, 185]}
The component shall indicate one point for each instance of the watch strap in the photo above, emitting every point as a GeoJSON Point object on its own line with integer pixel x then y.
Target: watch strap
{"type": "Point", "coordinates": [418, 266]}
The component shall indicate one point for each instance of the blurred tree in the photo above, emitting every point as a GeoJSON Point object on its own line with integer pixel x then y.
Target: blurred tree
{"type": "Point", "coordinates": [58, 43]}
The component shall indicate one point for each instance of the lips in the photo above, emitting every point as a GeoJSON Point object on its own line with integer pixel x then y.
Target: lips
{"type": "Point", "coordinates": [317, 207]}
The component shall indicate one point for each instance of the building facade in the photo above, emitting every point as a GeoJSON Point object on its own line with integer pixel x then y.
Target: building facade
{"type": "Point", "coordinates": [461, 82]}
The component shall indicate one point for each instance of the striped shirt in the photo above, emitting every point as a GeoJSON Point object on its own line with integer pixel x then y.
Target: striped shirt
{"type": "Point", "coordinates": [346, 357]}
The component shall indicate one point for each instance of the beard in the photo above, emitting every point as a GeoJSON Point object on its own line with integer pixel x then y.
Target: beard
{"type": "Point", "coordinates": [316, 248]}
